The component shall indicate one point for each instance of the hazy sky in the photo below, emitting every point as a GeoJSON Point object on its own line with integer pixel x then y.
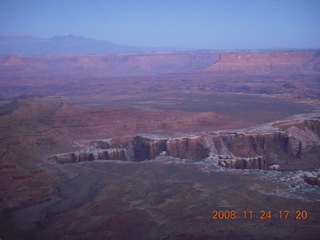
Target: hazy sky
{"type": "Point", "coordinates": [209, 24]}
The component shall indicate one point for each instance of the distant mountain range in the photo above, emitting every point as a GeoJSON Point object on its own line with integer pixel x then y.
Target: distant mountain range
{"type": "Point", "coordinates": [28, 44]}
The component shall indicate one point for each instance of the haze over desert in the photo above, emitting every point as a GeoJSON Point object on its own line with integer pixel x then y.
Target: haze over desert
{"type": "Point", "coordinates": [159, 120]}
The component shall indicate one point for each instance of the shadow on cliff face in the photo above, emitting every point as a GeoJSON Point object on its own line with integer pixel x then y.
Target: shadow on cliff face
{"type": "Point", "coordinates": [288, 145]}
{"type": "Point", "coordinates": [291, 146]}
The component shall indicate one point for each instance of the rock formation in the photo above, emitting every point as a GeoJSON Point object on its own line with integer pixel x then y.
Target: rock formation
{"type": "Point", "coordinates": [313, 180]}
{"type": "Point", "coordinates": [266, 72]}
{"type": "Point", "coordinates": [89, 155]}
{"type": "Point", "coordinates": [265, 62]}
{"type": "Point", "coordinates": [274, 167]}
{"type": "Point", "coordinates": [245, 150]}
{"type": "Point", "coordinates": [310, 177]}
{"type": "Point", "coordinates": [187, 148]}
{"type": "Point", "coordinates": [244, 163]}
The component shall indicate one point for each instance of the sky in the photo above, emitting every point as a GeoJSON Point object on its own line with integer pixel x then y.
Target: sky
{"type": "Point", "coordinates": [202, 24]}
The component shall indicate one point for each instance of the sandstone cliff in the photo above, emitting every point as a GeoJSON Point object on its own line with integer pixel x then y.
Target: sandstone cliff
{"type": "Point", "coordinates": [265, 62]}
{"type": "Point", "coordinates": [112, 64]}
{"type": "Point", "coordinates": [243, 163]}
{"type": "Point", "coordinates": [291, 143]}
{"type": "Point", "coordinates": [269, 72]}
{"type": "Point", "coordinates": [89, 155]}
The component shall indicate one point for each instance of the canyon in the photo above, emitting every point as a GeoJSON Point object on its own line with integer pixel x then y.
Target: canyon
{"type": "Point", "coordinates": [253, 72]}
{"type": "Point", "coordinates": [285, 146]}
{"type": "Point", "coordinates": [124, 145]}
{"type": "Point", "coordinates": [293, 140]}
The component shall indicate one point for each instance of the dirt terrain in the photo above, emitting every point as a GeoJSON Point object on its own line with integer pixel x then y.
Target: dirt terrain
{"type": "Point", "coordinates": [147, 146]}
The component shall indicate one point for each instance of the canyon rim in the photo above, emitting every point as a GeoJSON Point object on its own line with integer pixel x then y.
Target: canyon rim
{"type": "Point", "coordinates": [148, 145]}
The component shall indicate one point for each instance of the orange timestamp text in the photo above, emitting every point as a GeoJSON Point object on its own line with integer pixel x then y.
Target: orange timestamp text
{"type": "Point", "coordinates": [285, 214]}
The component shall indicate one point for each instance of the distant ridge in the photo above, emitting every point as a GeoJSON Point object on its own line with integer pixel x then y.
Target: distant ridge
{"type": "Point", "coordinates": [31, 45]}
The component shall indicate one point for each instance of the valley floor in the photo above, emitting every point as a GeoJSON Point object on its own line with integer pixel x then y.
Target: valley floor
{"type": "Point", "coordinates": [164, 198]}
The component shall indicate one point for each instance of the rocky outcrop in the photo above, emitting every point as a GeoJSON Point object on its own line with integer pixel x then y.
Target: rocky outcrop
{"type": "Point", "coordinates": [187, 148]}
{"type": "Point", "coordinates": [256, 144]}
{"type": "Point", "coordinates": [241, 150]}
{"type": "Point", "coordinates": [135, 149]}
{"type": "Point", "coordinates": [274, 167]}
{"type": "Point", "coordinates": [145, 148]}
{"type": "Point", "coordinates": [243, 163]}
{"type": "Point", "coordinates": [313, 125]}
{"type": "Point", "coordinates": [264, 62]}
{"type": "Point", "coordinates": [310, 177]}
{"type": "Point", "coordinates": [89, 155]}
{"type": "Point", "coordinates": [313, 180]}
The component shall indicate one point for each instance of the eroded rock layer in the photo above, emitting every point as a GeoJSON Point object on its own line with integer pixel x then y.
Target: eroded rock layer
{"type": "Point", "coordinates": [259, 72]}
{"type": "Point", "coordinates": [284, 144]}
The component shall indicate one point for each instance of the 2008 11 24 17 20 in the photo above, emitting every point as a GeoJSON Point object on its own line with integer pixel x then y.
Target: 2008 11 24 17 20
{"type": "Point", "coordinates": [284, 214]}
